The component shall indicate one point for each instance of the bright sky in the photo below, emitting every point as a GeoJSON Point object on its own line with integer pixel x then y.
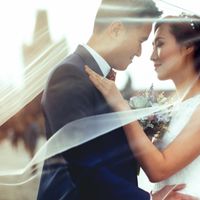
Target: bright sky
{"type": "Point", "coordinates": [74, 21]}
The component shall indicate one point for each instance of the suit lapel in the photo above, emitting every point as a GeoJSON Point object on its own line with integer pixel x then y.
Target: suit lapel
{"type": "Point", "coordinates": [102, 106]}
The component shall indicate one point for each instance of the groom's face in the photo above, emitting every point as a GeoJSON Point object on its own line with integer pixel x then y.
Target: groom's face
{"type": "Point", "coordinates": [128, 45]}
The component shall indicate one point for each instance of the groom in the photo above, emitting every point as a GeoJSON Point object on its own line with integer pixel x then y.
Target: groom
{"type": "Point", "coordinates": [104, 168]}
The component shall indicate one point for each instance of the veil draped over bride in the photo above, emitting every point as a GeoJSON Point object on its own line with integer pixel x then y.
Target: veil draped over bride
{"type": "Point", "coordinates": [35, 76]}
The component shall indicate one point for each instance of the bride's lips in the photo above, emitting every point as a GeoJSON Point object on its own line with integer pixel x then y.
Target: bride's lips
{"type": "Point", "coordinates": [157, 66]}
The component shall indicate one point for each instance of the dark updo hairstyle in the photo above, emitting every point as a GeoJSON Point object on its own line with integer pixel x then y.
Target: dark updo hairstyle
{"type": "Point", "coordinates": [186, 30]}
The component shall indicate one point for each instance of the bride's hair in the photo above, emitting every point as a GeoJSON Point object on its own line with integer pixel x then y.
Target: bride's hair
{"type": "Point", "coordinates": [186, 30]}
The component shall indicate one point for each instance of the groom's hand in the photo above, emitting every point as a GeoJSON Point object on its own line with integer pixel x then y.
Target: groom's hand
{"type": "Point", "coordinates": [170, 192]}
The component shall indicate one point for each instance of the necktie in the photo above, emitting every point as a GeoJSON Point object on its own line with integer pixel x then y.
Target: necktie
{"type": "Point", "coordinates": [111, 75]}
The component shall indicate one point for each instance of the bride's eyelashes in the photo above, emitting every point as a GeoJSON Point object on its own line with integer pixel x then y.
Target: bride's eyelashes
{"type": "Point", "coordinates": [159, 44]}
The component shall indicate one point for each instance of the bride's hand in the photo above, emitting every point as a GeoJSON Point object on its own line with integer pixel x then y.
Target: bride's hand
{"type": "Point", "coordinates": [171, 192]}
{"type": "Point", "coordinates": [108, 90]}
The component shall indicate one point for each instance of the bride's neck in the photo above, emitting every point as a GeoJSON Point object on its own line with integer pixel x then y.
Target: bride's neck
{"type": "Point", "coordinates": [188, 88]}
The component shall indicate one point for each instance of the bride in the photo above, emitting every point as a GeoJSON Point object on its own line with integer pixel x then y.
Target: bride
{"type": "Point", "coordinates": [176, 56]}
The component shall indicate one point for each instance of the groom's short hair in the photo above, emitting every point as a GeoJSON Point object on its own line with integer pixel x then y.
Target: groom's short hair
{"type": "Point", "coordinates": [126, 11]}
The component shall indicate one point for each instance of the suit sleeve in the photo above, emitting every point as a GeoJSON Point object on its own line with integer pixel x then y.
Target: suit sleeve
{"type": "Point", "coordinates": [115, 187]}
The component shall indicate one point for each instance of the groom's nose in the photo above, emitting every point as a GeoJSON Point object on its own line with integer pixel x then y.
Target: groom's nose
{"type": "Point", "coordinates": [139, 51]}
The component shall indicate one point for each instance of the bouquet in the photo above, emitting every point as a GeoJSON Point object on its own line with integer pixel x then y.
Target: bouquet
{"type": "Point", "coordinates": [157, 124]}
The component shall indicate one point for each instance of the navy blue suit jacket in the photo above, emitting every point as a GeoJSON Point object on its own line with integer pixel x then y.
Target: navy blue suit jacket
{"type": "Point", "coordinates": [101, 169]}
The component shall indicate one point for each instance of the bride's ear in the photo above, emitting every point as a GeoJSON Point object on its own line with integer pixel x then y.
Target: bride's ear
{"type": "Point", "coordinates": [189, 49]}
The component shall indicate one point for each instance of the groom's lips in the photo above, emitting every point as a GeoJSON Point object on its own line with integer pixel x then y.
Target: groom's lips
{"type": "Point", "coordinates": [131, 58]}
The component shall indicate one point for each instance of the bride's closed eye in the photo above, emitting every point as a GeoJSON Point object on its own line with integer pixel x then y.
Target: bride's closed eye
{"type": "Point", "coordinates": [159, 44]}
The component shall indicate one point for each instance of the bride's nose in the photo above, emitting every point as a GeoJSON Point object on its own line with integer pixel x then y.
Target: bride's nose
{"type": "Point", "coordinates": [153, 55]}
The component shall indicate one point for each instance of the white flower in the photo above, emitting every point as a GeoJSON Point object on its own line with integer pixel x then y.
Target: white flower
{"type": "Point", "coordinates": [156, 124]}
{"type": "Point", "coordinates": [138, 102]}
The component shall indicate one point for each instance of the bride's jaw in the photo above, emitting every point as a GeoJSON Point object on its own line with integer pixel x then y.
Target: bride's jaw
{"type": "Point", "coordinates": [160, 71]}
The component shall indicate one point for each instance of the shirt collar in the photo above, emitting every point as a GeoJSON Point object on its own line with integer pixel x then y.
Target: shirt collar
{"type": "Point", "coordinates": [103, 65]}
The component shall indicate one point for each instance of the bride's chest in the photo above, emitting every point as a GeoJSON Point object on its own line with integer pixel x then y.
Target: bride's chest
{"type": "Point", "coordinates": [181, 115]}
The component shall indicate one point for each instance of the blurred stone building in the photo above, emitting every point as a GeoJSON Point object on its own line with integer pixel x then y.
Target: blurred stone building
{"type": "Point", "coordinates": [129, 91]}
{"type": "Point", "coordinates": [39, 57]}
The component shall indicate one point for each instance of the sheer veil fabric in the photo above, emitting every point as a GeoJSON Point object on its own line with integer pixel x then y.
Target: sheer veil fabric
{"type": "Point", "coordinates": [96, 126]}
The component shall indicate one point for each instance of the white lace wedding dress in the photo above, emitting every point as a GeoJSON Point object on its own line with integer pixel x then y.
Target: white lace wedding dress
{"type": "Point", "coordinates": [190, 175]}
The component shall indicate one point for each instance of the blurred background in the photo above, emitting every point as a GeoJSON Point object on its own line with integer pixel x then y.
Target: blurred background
{"type": "Point", "coordinates": [35, 36]}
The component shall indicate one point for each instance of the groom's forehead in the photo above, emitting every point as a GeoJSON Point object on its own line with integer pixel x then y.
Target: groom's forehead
{"type": "Point", "coordinates": [143, 29]}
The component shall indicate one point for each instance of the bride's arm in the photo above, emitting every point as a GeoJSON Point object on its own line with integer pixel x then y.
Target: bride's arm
{"type": "Point", "coordinates": [157, 164]}
{"type": "Point", "coordinates": [160, 165]}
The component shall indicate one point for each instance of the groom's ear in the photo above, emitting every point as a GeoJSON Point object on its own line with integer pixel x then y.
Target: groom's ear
{"type": "Point", "coordinates": [115, 29]}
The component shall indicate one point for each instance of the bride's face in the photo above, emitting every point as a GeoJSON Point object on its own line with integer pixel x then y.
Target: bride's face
{"type": "Point", "coordinates": [168, 55]}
